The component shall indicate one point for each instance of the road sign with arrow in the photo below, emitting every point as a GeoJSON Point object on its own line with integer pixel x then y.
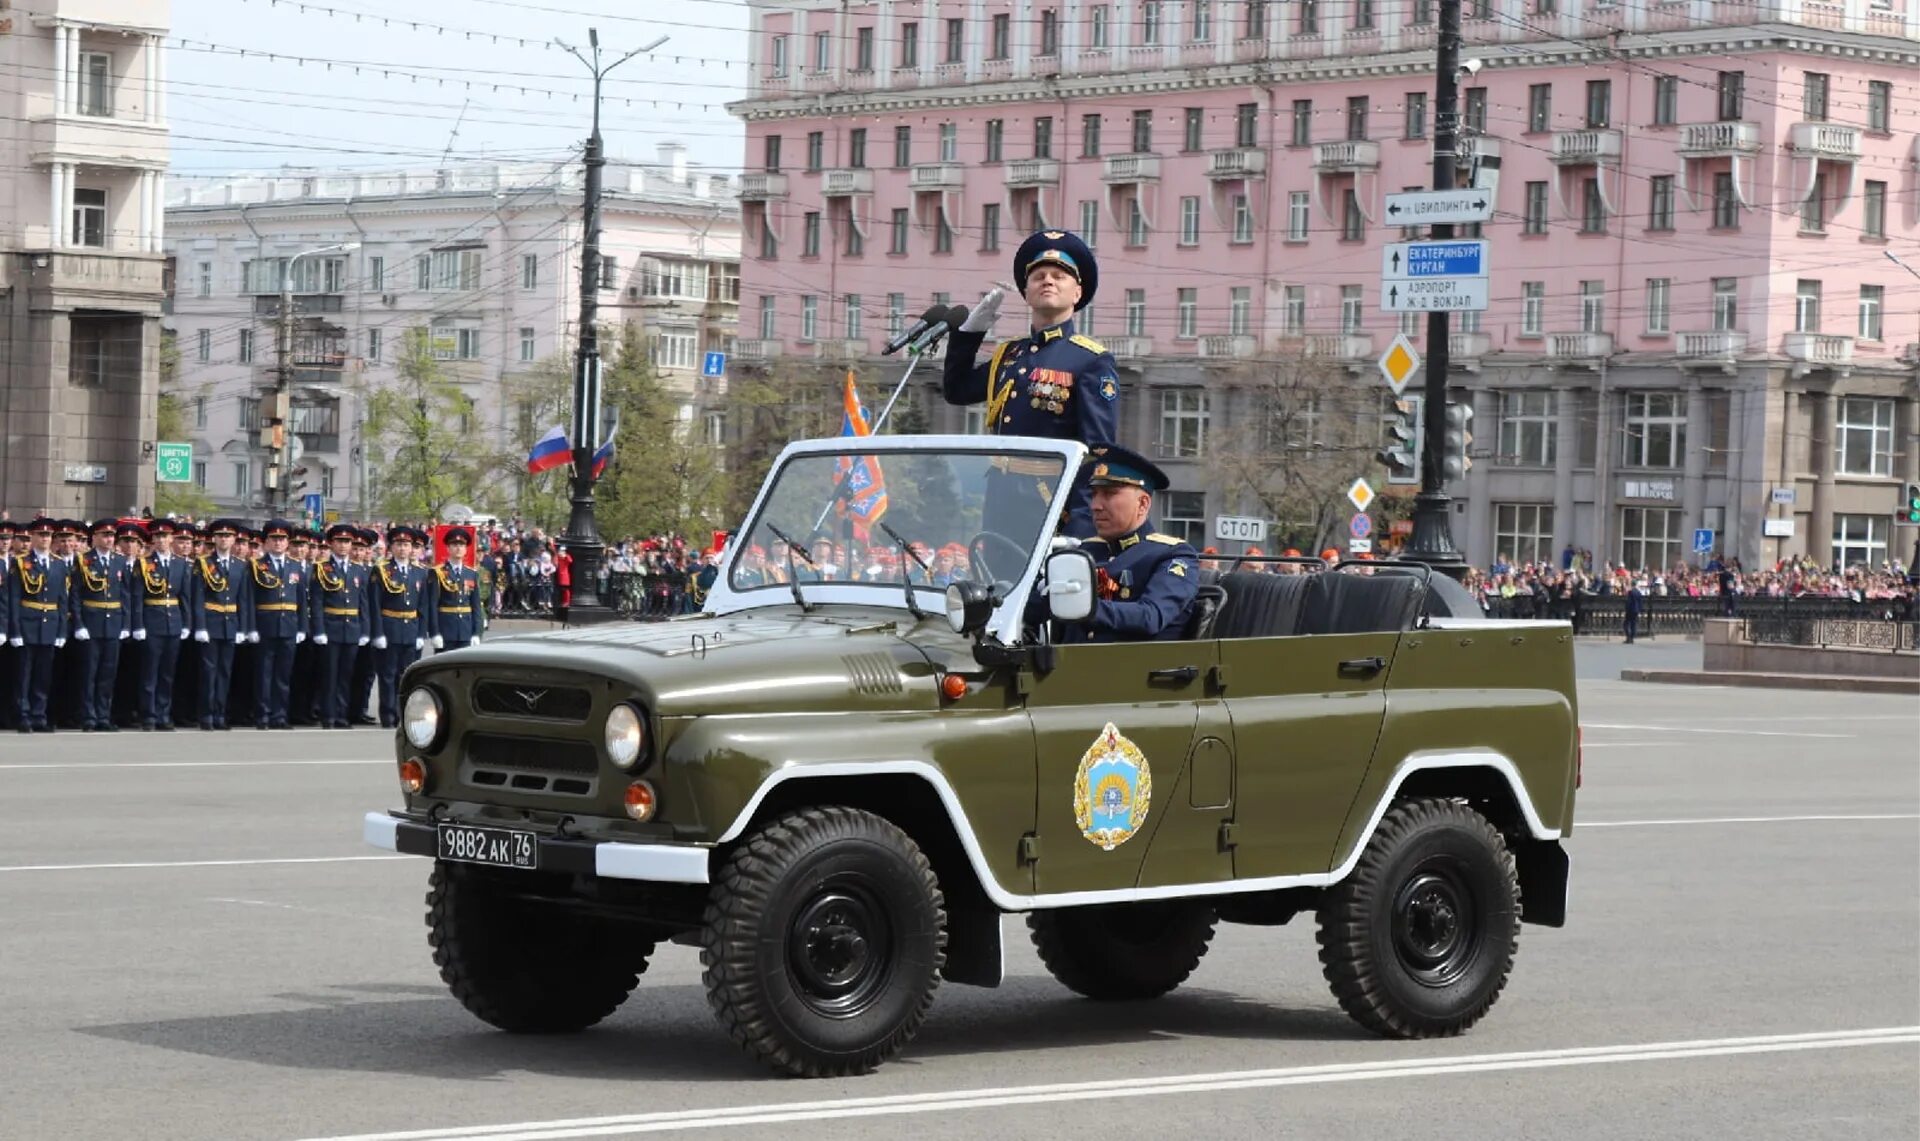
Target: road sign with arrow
{"type": "Point", "coordinates": [1439, 207]}
{"type": "Point", "coordinates": [1446, 274]}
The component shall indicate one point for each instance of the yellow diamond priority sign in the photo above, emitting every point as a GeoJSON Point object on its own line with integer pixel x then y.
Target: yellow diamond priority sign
{"type": "Point", "coordinates": [1399, 363]}
{"type": "Point", "coordinates": [1360, 494]}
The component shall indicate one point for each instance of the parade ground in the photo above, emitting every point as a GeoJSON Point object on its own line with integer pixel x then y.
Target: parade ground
{"type": "Point", "coordinates": [196, 945]}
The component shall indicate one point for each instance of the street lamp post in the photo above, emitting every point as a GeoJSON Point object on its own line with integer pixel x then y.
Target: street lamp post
{"type": "Point", "coordinates": [281, 470]}
{"type": "Point", "coordinates": [582, 538]}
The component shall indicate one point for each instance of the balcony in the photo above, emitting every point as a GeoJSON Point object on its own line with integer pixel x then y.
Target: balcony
{"type": "Point", "coordinates": [1826, 140]}
{"type": "Point", "coordinates": [268, 304]}
{"type": "Point", "coordinates": [761, 350]}
{"type": "Point", "coordinates": [1586, 148]}
{"type": "Point", "coordinates": [1719, 140]}
{"type": "Point", "coordinates": [1227, 346]}
{"type": "Point", "coordinates": [1577, 349]}
{"type": "Point", "coordinates": [846, 183]}
{"type": "Point", "coordinates": [841, 350]}
{"type": "Point", "coordinates": [95, 140]}
{"type": "Point", "coordinates": [1025, 172]}
{"type": "Point", "coordinates": [762, 186]}
{"type": "Point", "coordinates": [1242, 162]}
{"type": "Point", "coordinates": [937, 176]}
{"type": "Point", "coordinates": [1129, 348]}
{"type": "Point", "coordinates": [1464, 350]}
{"type": "Point", "coordinates": [1715, 350]}
{"type": "Point", "coordinates": [1130, 168]}
{"type": "Point", "coordinates": [1352, 348]}
{"type": "Point", "coordinates": [1350, 155]}
{"type": "Point", "coordinates": [1814, 351]}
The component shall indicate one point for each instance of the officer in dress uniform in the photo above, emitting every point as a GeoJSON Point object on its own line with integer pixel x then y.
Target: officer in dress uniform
{"type": "Point", "coordinates": [366, 664]}
{"type": "Point", "coordinates": [100, 614]}
{"type": "Point", "coordinates": [36, 623]}
{"type": "Point", "coordinates": [338, 618]}
{"type": "Point", "coordinates": [161, 581]}
{"type": "Point", "coordinates": [278, 623]}
{"type": "Point", "coordinates": [1145, 582]}
{"type": "Point", "coordinates": [11, 547]}
{"type": "Point", "coordinates": [219, 605]}
{"type": "Point", "coordinates": [455, 616]}
{"type": "Point", "coordinates": [63, 700]}
{"type": "Point", "coordinates": [1054, 382]}
{"type": "Point", "coordinates": [399, 591]}
{"type": "Point", "coordinates": [302, 694]}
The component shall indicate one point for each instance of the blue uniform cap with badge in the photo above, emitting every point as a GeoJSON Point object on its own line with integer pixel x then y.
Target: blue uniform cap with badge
{"type": "Point", "coordinates": [1061, 248]}
{"type": "Point", "coordinates": [1115, 466]}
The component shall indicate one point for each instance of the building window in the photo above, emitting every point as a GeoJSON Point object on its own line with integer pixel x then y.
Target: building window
{"type": "Point", "coordinates": [89, 217]}
{"type": "Point", "coordinates": [769, 317]}
{"type": "Point", "coordinates": [1726, 304]}
{"type": "Point", "coordinates": [990, 227]}
{"type": "Point", "coordinates": [903, 146]}
{"type": "Point", "coordinates": [374, 346]}
{"type": "Point", "coordinates": [1666, 100]}
{"type": "Point", "coordinates": [769, 245]}
{"type": "Point", "coordinates": [451, 342]}
{"type": "Point", "coordinates": [850, 316]}
{"type": "Point", "coordinates": [1202, 20]}
{"type": "Point", "coordinates": [1192, 128]}
{"type": "Point", "coordinates": [1357, 118]}
{"type": "Point", "coordinates": [778, 60]}
{"type": "Point", "coordinates": [1726, 203]}
{"type": "Point", "coordinates": [246, 346]}
{"type": "Point", "coordinates": [1309, 17]}
{"type": "Point", "coordinates": [1527, 435]}
{"type": "Point", "coordinates": [1523, 532]}
{"type": "Point", "coordinates": [1873, 209]}
{"type": "Point", "coordinates": [1001, 37]}
{"type": "Point", "coordinates": [1190, 221]}
{"type": "Point", "coordinates": [203, 345]}
{"type": "Point", "coordinates": [526, 343]}
{"type": "Point", "coordinates": [863, 49]}
{"type": "Point", "coordinates": [1422, 13]}
{"type": "Point", "coordinates": [949, 142]}
{"type": "Point", "coordinates": [1731, 95]}
{"type": "Point", "coordinates": [1659, 306]}
{"type": "Point", "coordinates": [1183, 422]}
{"type": "Point", "coordinates": [822, 51]}
{"type": "Point", "coordinates": [1362, 15]}
{"type": "Point", "coordinates": [1806, 306]}
{"type": "Point", "coordinates": [1540, 107]}
{"type": "Point", "coordinates": [1416, 127]}
{"type": "Point", "coordinates": [1299, 215]}
{"type": "Point", "coordinates": [1149, 23]}
{"type": "Point", "coordinates": [1813, 97]}
{"type": "Point", "coordinates": [1593, 306]}
{"type": "Point", "coordinates": [1186, 314]}
{"type": "Point", "coordinates": [1043, 137]}
{"type": "Point", "coordinates": [1353, 224]}
{"type": "Point", "coordinates": [1650, 538]}
{"type": "Point", "coordinates": [1813, 211]}
{"type": "Point", "coordinates": [1656, 430]}
{"type": "Point", "coordinates": [203, 274]}
{"type": "Point", "coordinates": [1089, 220]}
{"type": "Point", "coordinates": [771, 157]}
{"type": "Point", "coordinates": [456, 270]}
{"type": "Point", "coordinates": [1240, 310]}
{"type": "Point", "coordinates": [1534, 221]}
{"type": "Point", "coordinates": [200, 472]}
{"type": "Point", "coordinates": [956, 41]}
{"type": "Point", "coordinates": [909, 45]}
{"type": "Point", "coordinates": [1136, 223]}
{"type": "Point", "coordinates": [1097, 21]}
{"type": "Point", "coordinates": [1136, 312]}
{"type": "Point", "coordinates": [1256, 26]}
{"type": "Point", "coordinates": [1860, 540]}
{"type": "Point", "coordinates": [1863, 436]}
{"type": "Point", "coordinates": [1352, 309]}
{"type": "Point", "coordinates": [242, 479]}
{"type": "Point", "coordinates": [1879, 106]}
{"type": "Point", "coordinates": [897, 231]}
{"type": "Point", "coordinates": [1660, 202]}
{"type": "Point", "coordinates": [1185, 517]}
{"type": "Point", "coordinates": [942, 234]}
{"type": "Point", "coordinates": [1142, 132]}
{"type": "Point", "coordinates": [199, 411]}
{"type": "Point", "coordinates": [809, 317]}
{"type": "Point", "coordinates": [1049, 33]}
{"type": "Point", "coordinates": [1090, 136]}
{"type": "Point", "coordinates": [1475, 118]}
{"type": "Point", "coordinates": [1293, 310]}
{"type": "Point", "coordinates": [674, 350]}
{"type": "Point", "coordinates": [1533, 308]}
{"type": "Point", "coordinates": [1872, 306]}
{"type": "Point", "coordinates": [810, 234]}
{"type": "Point", "coordinates": [857, 148]}
{"type": "Point", "coordinates": [1599, 104]}
{"type": "Point", "coordinates": [1302, 121]}
{"type": "Point", "coordinates": [1242, 220]}
{"type": "Point", "coordinates": [996, 139]}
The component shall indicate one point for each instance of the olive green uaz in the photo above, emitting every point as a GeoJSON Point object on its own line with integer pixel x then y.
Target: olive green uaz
{"type": "Point", "coordinates": [837, 779]}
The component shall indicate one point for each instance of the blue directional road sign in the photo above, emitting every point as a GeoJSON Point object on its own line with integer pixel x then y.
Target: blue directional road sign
{"type": "Point", "coordinates": [1411, 261]}
{"type": "Point", "coordinates": [714, 365]}
{"type": "Point", "coordinates": [1702, 540]}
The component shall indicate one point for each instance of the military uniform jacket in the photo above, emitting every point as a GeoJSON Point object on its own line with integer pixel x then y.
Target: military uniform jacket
{"type": "Point", "coordinates": [99, 594]}
{"type": "Point", "coordinates": [1144, 585]}
{"type": "Point", "coordinates": [217, 597]}
{"type": "Point", "coordinates": [398, 591]}
{"type": "Point", "coordinates": [337, 604]}
{"type": "Point", "coordinates": [278, 597]}
{"type": "Point", "coordinates": [160, 595]}
{"type": "Point", "coordinates": [453, 609]}
{"type": "Point", "coordinates": [37, 600]}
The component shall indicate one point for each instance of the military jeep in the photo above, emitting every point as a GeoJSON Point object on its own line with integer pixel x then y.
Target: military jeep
{"type": "Point", "coordinates": [837, 779]}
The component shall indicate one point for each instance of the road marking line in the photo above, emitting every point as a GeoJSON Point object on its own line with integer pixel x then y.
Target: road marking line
{"type": "Point", "coordinates": [199, 863]}
{"type": "Point", "coordinates": [1716, 732]}
{"type": "Point", "coordinates": [990, 1098]}
{"type": "Point", "coordinates": [193, 764]}
{"type": "Point", "coordinates": [1745, 820]}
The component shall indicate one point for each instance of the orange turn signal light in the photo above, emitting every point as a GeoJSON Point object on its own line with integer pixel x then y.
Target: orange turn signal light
{"type": "Point", "coordinates": [413, 775]}
{"type": "Point", "coordinates": [641, 801]}
{"type": "Point", "coordinates": [953, 687]}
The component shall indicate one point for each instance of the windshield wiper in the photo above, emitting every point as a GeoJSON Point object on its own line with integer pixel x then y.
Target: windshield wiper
{"type": "Point", "coordinates": [793, 580]}
{"type": "Point", "coordinates": [913, 606]}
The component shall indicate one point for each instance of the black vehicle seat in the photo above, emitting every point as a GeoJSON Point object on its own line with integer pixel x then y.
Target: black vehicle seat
{"type": "Point", "coordinates": [1260, 605]}
{"type": "Point", "coordinates": [1204, 611]}
{"type": "Point", "coordinates": [1359, 604]}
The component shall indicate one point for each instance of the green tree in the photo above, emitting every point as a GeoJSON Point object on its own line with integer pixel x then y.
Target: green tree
{"type": "Point", "coordinates": [418, 428]}
{"type": "Point", "coordinates": [665, 476]}
{"type": "Point", "coordinates": [765, 413]}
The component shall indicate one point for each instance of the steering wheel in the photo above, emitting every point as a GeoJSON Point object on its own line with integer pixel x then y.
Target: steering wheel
{"type": "Point", "coordinates": [982, 566]}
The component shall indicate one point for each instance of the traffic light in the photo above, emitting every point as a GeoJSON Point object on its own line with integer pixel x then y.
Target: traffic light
{"type": "Point", "coordinates": [1912, 507]}
{"type": "Point", "coordinates": [296, 480]}
{"type": "Point", "coordinates": [1456, 461]}
{"type": "Point", "coordinates": [1402, 453]}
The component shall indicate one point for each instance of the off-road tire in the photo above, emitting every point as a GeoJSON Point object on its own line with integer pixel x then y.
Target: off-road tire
{"type": "Point", "coordinates": [523, 967]}
{"type": "Point", "coordinates": [1418, 941]}
{"type": "Point", "coordinates": [1123, 951]}
{"type": "Point", "coordinates": [823, 939]}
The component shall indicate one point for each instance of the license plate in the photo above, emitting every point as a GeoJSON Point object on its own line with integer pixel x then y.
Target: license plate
{"type": "Point", "coordinates": [496, 847]}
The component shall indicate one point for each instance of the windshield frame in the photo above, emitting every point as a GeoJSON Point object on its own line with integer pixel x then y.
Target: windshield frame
{"type": "Point", "coordinates": [1005, 625]}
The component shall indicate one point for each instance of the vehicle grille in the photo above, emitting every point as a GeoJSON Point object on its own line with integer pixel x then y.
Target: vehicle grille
{"type": "Point", "coordinates": [486, 750]}
{"type": "Point", "coordinates": [521, 699]}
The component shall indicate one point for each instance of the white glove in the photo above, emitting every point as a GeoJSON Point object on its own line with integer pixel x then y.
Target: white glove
{"type": "Point", "coordinates": [81, 635]}
{"type": "Point", "coordinates": [476, 639]}
{"type": "Point", "coordinates": [363, 641]}
{"type": "Point", "coordinates": [140, 635]}
{"type": "Point", "coordinates": [319, 639]}
{"type": "Point", "coordinates": [299, 636]}
{"type": "Point", "coordinates": [16, 643]}
{"type": "Point", "coordinates": [185, 633]}
{"type": "Point", "coordinates": [201, 636]}
{"type": "Point", "coordinates": [59, 643]}
{"type": "Point", "coordinates": [124, 633]}
{"type": "Point", "coordinates": [254, 637]}
{"type": "Point", "coordinates": [419, 643]}
{"type": "Point", "coordinates": [439, 643]}
{"type": "Point", "coordinates": [379, 643]}
{"type": "Point", "coordinates": [981, 317]}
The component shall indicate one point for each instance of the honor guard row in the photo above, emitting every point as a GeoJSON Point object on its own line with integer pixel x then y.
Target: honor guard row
{"type": "Point", "coordinates": [300, 624]}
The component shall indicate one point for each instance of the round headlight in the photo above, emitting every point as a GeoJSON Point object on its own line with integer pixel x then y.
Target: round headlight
{"type": "Point", "coordinates": [957, 608]}
{"type": "Point", "coordinates": [626, 733]}
{"type": "Point", "coordinates": [421, 717]}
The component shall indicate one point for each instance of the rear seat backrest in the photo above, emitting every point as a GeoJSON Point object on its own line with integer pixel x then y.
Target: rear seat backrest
{"type": "Point", "coordinates": [1359, 604]}
{"type": "Point", "coordinates": [1260, 605]}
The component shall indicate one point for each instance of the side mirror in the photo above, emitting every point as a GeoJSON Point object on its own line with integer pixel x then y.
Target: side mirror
{"type": "Point", "coordinates": [1070, 585]}
{"type": "Point", "coordinates": [969, 607]}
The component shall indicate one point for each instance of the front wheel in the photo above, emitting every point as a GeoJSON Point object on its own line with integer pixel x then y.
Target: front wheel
{"type": "Point", "coordinates": [1418, 941]}
{"type": "Point", "coordinates": [824, 936]}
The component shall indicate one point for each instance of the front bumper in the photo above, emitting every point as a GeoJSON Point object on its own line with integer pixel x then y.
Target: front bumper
{"type": "Point", "coordinates": [656, 863]}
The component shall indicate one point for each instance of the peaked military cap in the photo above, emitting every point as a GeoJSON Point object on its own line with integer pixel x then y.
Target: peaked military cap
{"type": "Point", "coordinates": [343, 531]}
{"type": "Point", "coordinates": [1061, 248]}
{"type": "Point", "coordinates": [276, 528]}
{"type": "Point", "coordinates": [1116, 466]}
{"type": "Point", "coordinates": [131, 530]}
{"type": "Point", "coordinates": [222, 527]}
{"type": "Point", "coordinates": [162, 527]}
{"type": "Point", "coordinates": [460, 535]}
{"type": "Point", "coordinates": [42, 525]}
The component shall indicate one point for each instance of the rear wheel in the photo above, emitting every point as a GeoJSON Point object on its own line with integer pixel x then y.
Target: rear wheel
{"type": "Point", "coordinates": [1123, 951]}
{"type": "Point", "coordinates": [521, 965]}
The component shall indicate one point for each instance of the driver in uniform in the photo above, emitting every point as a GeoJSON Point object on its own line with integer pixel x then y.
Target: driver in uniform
{"type": "Point", "coordinates": [1144, 581]}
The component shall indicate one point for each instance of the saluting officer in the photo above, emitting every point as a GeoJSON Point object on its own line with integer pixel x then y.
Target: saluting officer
{"type": "Point", "coordinates": [1145, 582]}
{"type": "Point", "coordinates": [399, 587]}
{"type": "Point", "coordinates": [161, 582]}
{"type": "Point", "coordinates": [455, 617]}
{"type": "Point", "coordinates": [278, 622]}
{"type": "Point", "coordinates": [1054, 382]}
{"type": "Point", "coordinates": [100, 613]}
{"type": "Point", "coordinates": [338, 619]}
{"type": "Point", "coordinates": [36, 623]}
{"type": "Point", "coordinates": [218, 592]}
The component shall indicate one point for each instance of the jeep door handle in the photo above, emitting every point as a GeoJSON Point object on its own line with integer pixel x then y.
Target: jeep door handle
{"type": "Point", "coordinates": [1178, 674]}
{"type": "Point", "coordinates": [1362, 667]}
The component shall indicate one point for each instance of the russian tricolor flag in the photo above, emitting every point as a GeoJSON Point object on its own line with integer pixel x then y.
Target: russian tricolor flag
{"type": "Point", "coordinates": [601, 457]}
{"type": "Point", "coordinates": [550, 451]}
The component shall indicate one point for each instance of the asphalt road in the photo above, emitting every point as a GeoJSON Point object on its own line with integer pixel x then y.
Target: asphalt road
{"type": "Point", "coordinates": [193, 944]}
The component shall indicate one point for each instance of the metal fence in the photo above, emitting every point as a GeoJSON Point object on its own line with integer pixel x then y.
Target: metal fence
{"type": "Point", "coordinates": [1851, 633]}
{"type": "Point", "coordinates": [1607, 613]}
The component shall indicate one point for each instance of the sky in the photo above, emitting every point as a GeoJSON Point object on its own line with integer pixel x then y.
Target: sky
{"type": "Point", "coordinates": [256, 85]}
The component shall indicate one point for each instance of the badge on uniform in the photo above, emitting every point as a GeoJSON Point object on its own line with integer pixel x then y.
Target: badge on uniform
{"type": "Point", "coordinates": [1112, 791]}
{"type": "Point", "coordinates": [1109, 388]}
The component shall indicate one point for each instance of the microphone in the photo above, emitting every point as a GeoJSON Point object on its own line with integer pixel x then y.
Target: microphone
{"type": "Point", "coordinates": [953, 318]}
{"type": "Point", "coordinates": [933, 314]}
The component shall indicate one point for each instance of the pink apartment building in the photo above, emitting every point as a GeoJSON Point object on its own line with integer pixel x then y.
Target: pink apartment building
{"type": "Point", "coordinates": [1697, 312]}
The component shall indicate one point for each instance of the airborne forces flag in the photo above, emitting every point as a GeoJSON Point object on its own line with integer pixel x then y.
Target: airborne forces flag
{"type": "Point", "coordinates": [866, 484]}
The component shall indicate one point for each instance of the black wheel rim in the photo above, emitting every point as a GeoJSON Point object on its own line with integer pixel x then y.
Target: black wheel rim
{"type": "Point", "coordinates": [840, 948]}
{"type": "Point", "coordinates": [1436, 929]}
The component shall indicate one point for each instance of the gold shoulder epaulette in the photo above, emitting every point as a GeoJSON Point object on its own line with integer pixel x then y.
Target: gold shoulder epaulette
{"type": "Point", "coordinates": [1088, 343]}
{"type": "Point", "coordinates": [1169, 540]}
